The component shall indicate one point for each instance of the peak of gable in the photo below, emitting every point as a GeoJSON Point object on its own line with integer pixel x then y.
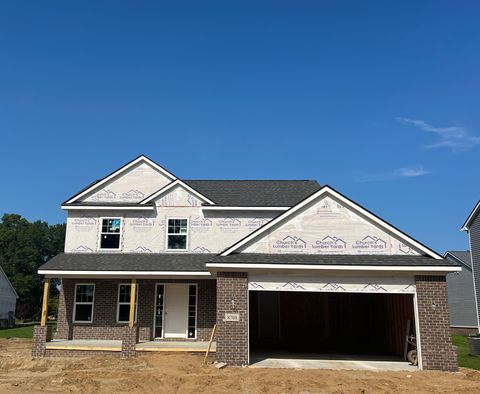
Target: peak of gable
{"type": "Point", "coordinates": [130, 183]}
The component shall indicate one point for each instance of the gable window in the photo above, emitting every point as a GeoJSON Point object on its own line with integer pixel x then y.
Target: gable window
{"type": "Point", "coordinates": [83, 305]}
{"type": "Point", "coordinates": [110, 233]}
{"type": "Point", "coordinates": [177, 234]}
{"type": "Point", "coordinates": [123, 306]}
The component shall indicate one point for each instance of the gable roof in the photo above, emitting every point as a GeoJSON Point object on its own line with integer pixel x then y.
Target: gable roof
{"type": "Point", "coordinates": [2, 272]}
{"type": "Point", "coordinates": [117, 172]}
{"type": "Point", "coordinates": [460, 256]}
{"type": "Point", "coordinates": [255, 193]}
{"type": "Point", "coordinates": [349, 203]}
{"type": "Point", "coordinates": [171, 185]}
{"type": "Point", "coordinates": [471, 217]}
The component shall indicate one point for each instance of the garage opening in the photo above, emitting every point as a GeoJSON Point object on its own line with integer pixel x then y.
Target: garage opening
{"type": "Point", "coordinates": [319, 323]}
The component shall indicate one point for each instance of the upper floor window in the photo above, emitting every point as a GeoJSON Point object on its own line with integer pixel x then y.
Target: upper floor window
{"type": "Point", "coordinates": [110, 233]}
{"type": "Point", "coordinates": [177, 234]}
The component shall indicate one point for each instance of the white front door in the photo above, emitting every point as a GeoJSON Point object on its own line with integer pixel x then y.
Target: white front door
{"type": "Point", "coordinates": [176, 311]}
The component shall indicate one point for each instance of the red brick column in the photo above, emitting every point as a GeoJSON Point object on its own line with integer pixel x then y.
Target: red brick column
{"type": "Point", "coordinates": [437, 350]}
{"type": "Point", "coordinates": [232, 333]}
{"type": "Point", "coordinates": [41, 335]}
{"type": "Point", "coordinates": [129, 341]}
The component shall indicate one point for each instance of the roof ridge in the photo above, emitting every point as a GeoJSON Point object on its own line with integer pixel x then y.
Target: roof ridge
{"type": "Point", "coordinates": [252, 180]}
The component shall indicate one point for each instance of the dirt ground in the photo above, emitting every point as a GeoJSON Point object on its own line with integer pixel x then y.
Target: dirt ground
{"type": "Point", "coordinates": [171, 373]}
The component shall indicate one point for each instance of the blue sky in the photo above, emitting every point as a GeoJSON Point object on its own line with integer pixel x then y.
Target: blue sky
{"type": "Point", "coordinates": [378, 99]}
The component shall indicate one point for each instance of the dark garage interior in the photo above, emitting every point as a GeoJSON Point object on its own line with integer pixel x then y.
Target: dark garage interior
{"type": "Point", "coordinates": [329, 323]}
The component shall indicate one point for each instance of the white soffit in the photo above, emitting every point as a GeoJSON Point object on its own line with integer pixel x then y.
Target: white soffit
{"type": "Point", "coordinates": [327, 190]}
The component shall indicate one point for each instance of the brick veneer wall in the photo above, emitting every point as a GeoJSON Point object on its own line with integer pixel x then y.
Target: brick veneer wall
{"type": "Point", "coordinates": [104, 324]}
{"type": "Point", "coordinates": [41, 335]}
{"type": "Point", "coordinates": [232, 336]}
{"type": "Point", "coordinates": [437, 350]}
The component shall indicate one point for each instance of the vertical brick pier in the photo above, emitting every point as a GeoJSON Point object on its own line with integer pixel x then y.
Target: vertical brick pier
{"type": "Point", "coordinates": [437, 350]}
{"type": "Point", "coordinates": [232, 333]}
{"type": "Point", "coordinates": [41, 335]}
{"type": "Point", "coordinates": [129, 341]}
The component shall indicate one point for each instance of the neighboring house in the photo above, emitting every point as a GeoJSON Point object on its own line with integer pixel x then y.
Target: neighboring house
{"type": "Point", "coordinates": [280, 266]}
{"type": "Point", "coordinates": [461, 295]}
{"type": "Point", "coordinates": [472, 226]}
{"type": "Point", "coordinates": [8, 301]}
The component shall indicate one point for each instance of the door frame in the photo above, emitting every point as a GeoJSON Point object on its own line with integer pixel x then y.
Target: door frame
{"type": "Point", "coordinates": [164, 284]}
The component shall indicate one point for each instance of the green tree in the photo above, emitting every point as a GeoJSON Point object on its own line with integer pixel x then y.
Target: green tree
{"type": "Point", "coordinates": [25, 246]}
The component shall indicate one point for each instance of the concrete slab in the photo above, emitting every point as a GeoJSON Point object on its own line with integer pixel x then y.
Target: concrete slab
{"type": "Point", "coordinates": [334, 361]}
{"type": "Point", "coordinates": [175, 346]}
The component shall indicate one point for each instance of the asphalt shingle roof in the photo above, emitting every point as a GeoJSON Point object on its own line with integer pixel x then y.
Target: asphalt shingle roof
{"type": "Point", "coordinates": [251, 193]}
{"type": "Point", "coordinates": [128, 262]}
{"type": "Point", "coordinates": [189, 262]}
{"type": "Point", "coordinates": [319, 259]}
{"type": "Point", "coordinates": [462, 255]}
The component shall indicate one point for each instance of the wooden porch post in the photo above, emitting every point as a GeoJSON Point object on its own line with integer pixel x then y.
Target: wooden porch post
{"type": "Point", "coordinates": [133, 294]}
{"type": "Point", "coordinates": [46, 293]}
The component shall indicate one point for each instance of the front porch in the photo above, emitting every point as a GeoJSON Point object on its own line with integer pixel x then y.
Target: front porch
{"type": "Point", "coordinates": [143, 346]}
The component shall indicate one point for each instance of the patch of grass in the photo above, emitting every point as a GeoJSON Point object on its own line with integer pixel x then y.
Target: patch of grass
{"type": "Point", "coordinates": [464, 359]}
{"type": "Point", "coordinates": [24, 331]}
{"type": "Point", "coordinates": [17, 332]}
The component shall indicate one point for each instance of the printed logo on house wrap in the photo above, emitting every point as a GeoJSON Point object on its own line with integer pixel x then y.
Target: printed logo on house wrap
{"type": "Point", "coordinates": [256, 223]}
{"type": "Point", "coordinates": [405, 249]}
{"type": "Point", "coordinates": [132, 195]}
{"type": "Point", "coordinates": [192, 200]}
{"type": "Point", "coordinates": [290, 242]}
{"type": "Point", "coordinates": [142, 225]}
{"type": "Point", "coordinates": [82, 249]}
{"type": "Point", "coordinates": [200, 225]}
{"type": "Point", "coordinates": [84, 223]}
{"type": "Point", "coordinates": [330, 243]}
{"type": "Point", "coordinates": [104, 195]}
{"type": "Point", "coordinates": [370, 244]}
{"type": "Point", "coordinates": [328, 208]}
{"type": "Point", "coordinates": [141, 249]}
{"type": "Point", "coordinates": [229, 225]}
{"type": "Point", "coordinates": [201, 249]}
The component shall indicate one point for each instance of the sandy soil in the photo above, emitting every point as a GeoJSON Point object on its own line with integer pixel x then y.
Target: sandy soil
{"type": "Point", "coordinates": [170, 373]}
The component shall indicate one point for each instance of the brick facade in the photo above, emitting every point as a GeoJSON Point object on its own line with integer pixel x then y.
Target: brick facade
{"type": "Point", "coordinates": [41, 335]}
{"type": "Point", "coordinates": [232, 336]}
{"type": "Point", "coordinates": [104, 324]}
{"type": "Point", "coordinates": [129, 341]}
{"type": "Point", "coordinates": [437, 350]}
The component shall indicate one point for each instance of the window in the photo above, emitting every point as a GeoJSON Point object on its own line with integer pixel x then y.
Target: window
{"type": "Point", "coordinates": [160, 296]}
{"type": "Point", "coordinates": [123, 307]}
{"type": "Point", "coordinates": [83, 306]}
{"type": "Point", "coordinates": [110, 233]}
{"type": "Point", "coordinates": [192, 311]}
{"type": "Point", "coordinates": [177, 233]}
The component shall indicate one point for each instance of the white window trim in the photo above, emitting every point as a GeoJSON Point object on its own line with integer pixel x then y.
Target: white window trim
{"type": "Point", "coordinates": [100, 233]}
{"type": "Point", "coordinates": [83, 303]}
{"type": "Point", "coordinates": [126, 303]}
{"type": "Point", "coordinates": [187, 234]}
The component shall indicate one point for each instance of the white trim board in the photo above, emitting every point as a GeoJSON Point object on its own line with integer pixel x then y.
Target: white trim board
{"type": "Point", "coordinates": [409, 268]}
{"type": "Point", "coordinates": [225, 208]}
{"type": "Point", "coordinates": [109, 207]}
{"type": "Point", "coordinates": [180, 183]}
{"type": "Point", "coordinates": [126, 274]}
{"type": "Point", "coordinates": [327, 190]}
{"type": "Point", "coordinates": [466, 225]}
{"type": "Point", "coordinates": [118, 172]}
